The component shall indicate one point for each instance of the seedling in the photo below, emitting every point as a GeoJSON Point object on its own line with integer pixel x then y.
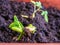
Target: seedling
{"type": "Point", "coordinates": [17, 26]}
{"type": "Point", "coordinates": [44, 13]}
{"type": "Point", "coordinates": [36, 4]}
{"type": "Point", "coordinates": [31, 28]}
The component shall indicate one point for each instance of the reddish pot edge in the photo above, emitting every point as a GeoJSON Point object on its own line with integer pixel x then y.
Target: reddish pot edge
{"type": "Point", "coordinates": [46, 3]}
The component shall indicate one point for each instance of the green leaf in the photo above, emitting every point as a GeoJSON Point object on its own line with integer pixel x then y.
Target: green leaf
{"type": "Point", "coordinates": [45, 14]}
{"type": "Point", "coordinates": [38, 4]}
{"type": "Point", "coordinates": [16, 25]}
{"type": "Point", "coordinates": [16, 21]}
{"type": "Point", "coordinates": [46, 18]}
{"type": "Point", "coordinates": [21, 25]}
{"type": "Point", "coordinates": [31, 28]}
{"type": "Point", "coordinates": [17, 29]}
{"type": "Point", "coordinates": [11, 25]}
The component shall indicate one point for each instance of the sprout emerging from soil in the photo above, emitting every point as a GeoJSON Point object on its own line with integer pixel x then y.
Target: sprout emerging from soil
{"type": "Point", "coordinates": [17, 26]}
{"type": "Point", "coordinates": [44, 13]}
{"type": "Point", "coordinates": [36, 4]}
{"type": "Point", "coordinates": [31, 28]}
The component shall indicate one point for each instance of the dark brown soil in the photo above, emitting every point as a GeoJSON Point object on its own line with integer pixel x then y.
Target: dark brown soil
{"type": "Point", "coordinates": [46, 32]}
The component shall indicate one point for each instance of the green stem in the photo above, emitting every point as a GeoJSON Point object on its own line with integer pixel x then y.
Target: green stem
{"type": "Point", "coordinates": [20, 36]}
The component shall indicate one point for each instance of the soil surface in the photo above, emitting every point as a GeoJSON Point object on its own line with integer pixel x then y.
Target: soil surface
{"type": "Point", "coordinates": [46, 32]}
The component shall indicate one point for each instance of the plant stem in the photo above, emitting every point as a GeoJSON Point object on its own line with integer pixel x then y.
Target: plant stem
{"type": "Point", "coordinates": [20, 36]}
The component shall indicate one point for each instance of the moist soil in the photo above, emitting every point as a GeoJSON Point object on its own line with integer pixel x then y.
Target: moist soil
{"type": "Point", "coordinates": [46, 32]}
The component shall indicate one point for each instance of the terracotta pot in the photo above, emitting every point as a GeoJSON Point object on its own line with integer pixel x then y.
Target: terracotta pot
{"type": "Point", "coordinates": [52, 3]}
{"type": "Point", "coordinates": [46, 3]}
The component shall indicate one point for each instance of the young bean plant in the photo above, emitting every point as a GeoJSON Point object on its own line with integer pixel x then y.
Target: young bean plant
{"type": "Point", "coordinates": [39, 7]}
{"type": "Point", "coordinates": [17, 26]}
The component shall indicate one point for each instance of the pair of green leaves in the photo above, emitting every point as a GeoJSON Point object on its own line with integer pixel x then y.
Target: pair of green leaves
{"type": "Point", "coordinates": [31, 28]}
{"type": "Point", "coordinates": [17, 26]}
{"type": "Point", "coordinates": [38, 4]}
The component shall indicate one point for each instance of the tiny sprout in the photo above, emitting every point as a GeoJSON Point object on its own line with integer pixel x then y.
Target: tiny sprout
{"type": "Point", "coordinates": [31, 28]}
{"type": "Point", "coordinates": [36, 4]}
{"type": "Point", "coordinates": [45, 14]}
{"type": "Point", "coordinates": [17, 26]}
{"type": "Point", "coordinates": [24, 16]}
